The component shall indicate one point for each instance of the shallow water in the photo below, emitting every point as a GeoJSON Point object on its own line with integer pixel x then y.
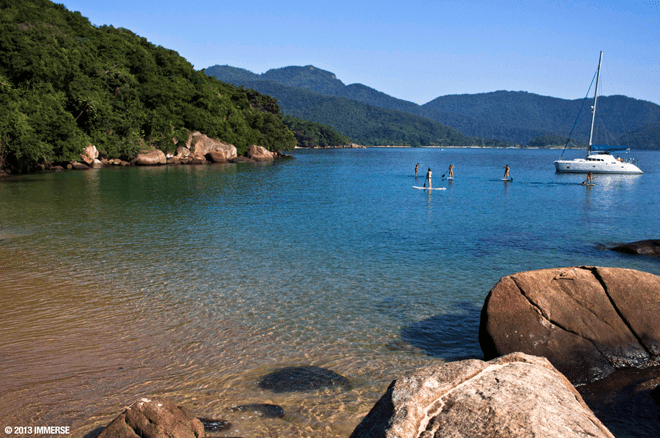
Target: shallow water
{"type": "Point", "coordinates": [193, 282]}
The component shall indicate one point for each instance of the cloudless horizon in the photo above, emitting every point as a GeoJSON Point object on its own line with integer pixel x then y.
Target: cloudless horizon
{"type": "Point", "coordinates": [414, 50]}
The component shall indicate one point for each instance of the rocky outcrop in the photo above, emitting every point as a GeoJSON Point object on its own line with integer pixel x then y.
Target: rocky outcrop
{"type": "Point", "coordinates": [642, 247]}
{"type": "Point", "coordinates": [152, 158]}
{"type": "Point", "coordinates": [154, 419]}
{"type": "Point", "coordinates": [217, 157]}
{"type": "Point", "coordinates": [586, 320]}
{"type": "Point", "coordinates": [89, 154]}
{"type": "Point", "coordinates": [259, 153]}
{"type": "Point", "coordinates": [514, 396]}
{"type": "Point", "coordinates": [200, 145]}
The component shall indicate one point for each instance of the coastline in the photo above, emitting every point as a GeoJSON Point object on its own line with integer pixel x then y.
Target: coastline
{"type": "Point", "coordinates": [199, 286]}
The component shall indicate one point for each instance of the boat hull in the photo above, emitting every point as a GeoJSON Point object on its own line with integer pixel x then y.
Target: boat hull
{"type": "Point", "coordinates": [585, 166]}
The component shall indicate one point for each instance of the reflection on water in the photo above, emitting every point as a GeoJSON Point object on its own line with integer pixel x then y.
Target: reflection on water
{"type": "Point", "coordinates": [194, 282]}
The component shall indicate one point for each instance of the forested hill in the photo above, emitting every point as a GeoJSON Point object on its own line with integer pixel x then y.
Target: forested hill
{"type": "Point", "coordinates": [516, 117]}
{"type": "Point", "coordinates": [65, 84]}
{"type": "Point", "coordinates": [364, 123]}
{"type": "Point", "coordinates": [520, 116]}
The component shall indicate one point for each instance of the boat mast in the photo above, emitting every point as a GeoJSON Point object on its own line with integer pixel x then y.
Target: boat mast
{"type": "Point", "coordinates": [593, 108]}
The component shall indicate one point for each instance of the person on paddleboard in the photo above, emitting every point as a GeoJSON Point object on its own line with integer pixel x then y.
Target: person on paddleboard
{"type": "Point", "coordinates": [428, 178]}
{"type": "Point", "coordinates": [590, 178]}
{"type": "Point", "coordinates": [416, 167]}
{"type": "Point", "coordinates": [506, 172]}
{"type": "Point", "coordinates": [451, 171]}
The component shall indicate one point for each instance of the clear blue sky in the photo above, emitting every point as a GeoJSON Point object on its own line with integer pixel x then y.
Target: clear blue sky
{"type": "Point", "coordinates": [414, 50]}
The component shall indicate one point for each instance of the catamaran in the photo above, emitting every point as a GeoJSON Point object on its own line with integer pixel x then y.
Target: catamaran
{"type": "Point", "coordinates": [599, 157]}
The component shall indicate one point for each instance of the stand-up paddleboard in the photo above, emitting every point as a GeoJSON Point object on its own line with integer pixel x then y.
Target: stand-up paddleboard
{"type": "Point", "coordinates": [430, 188]}
{"type": "Point", "coordinates": [590, 185]}
{"type": "Point", "coordinates": [507, 180]}
{"type": "Point", "coordinates": [451, 178]}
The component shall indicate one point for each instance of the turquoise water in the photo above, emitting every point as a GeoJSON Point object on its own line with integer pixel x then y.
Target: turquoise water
{"type": "Point", "coordinates": [192, 282]}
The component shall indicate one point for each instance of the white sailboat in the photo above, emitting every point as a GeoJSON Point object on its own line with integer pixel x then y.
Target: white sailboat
{"type": "Point", "coordinates": [599, 158]}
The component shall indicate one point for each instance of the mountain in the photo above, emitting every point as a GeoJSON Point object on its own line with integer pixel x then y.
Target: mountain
{"type": "Point", "coordinates": [509, 116]}
{"type": "Point", "coordinates": [296, 91]}
{"type": "Point", "coordinates": [520, 116]}
{"type": "Point", "coordinates": [65, 84]}
{"type": "Point", "coordinates": [646, 137]}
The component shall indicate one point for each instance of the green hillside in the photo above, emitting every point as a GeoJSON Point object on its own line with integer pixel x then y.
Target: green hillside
{"type": "Point", "coordinates": [520, 116]}
{"type": "Point", "coordinates": [515, 117]}
{"type": "Point", "coordinates": [309, 134]}
{"type": "Point", "coordinates": [646, 137]}
{"type": "Point", "coordinates": [66, 84]}
{"type": "Point", "coordinates": [364, 124]}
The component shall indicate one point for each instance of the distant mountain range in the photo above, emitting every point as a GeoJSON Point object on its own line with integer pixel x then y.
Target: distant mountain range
{"type": "Point", "coordinates": [369, 116]}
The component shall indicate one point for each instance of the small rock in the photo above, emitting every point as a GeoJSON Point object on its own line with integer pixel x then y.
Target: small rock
{"type": "Point", "coordinates": [211, 425]}
{"type": "Point", "coordinates": [154, 419]}
{"type": "Point", "coordinates": [77, 166]}
{"type": "Point", "coordinates": [301, 379]}
{"type": "Point", "coordinates": [263, 410]}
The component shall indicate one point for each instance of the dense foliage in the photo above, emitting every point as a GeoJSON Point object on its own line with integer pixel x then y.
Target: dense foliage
{"type": "Point", "coordinates": [310, 134]}
{"type": "Point", "coordinates": [513, 117]}
{"type": "Point", "coordinates": [65, 84]}
{"type": "Point", "coordinates": [646, 137]}
{"type": "Point", "coordinates": [549, 140]}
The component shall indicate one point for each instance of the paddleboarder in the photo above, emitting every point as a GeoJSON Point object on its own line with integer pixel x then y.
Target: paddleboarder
{"type": "Point", "coordinates": [428, 178]}
{"type": "Point", "coordinates": [506, 172]}
{"type": "Point", "coordinates": [416, 167]}
{"type": "Point", "coordinates": [590, 178]}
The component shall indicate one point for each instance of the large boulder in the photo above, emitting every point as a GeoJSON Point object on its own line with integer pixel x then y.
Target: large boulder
{"type": "Point", "coordinates": [201, 145]}
{"type": "Point", "coordinates": [77, 166]}
{"type": "Point", "coordinates": [642, 247]}
{"type": "Point", "coordinates": [588, 321]}
{"type": "Point", "coordinates": [217, 156]}
{"type": "Point", "coordinates": [154, 419]}
{"type": "Point", "coordinates": [152, 158]}
{"type": "Point", "coordinates": [89, 154]}
{"type": "Point", "coordinates": [513, 396]}
{"type": "Point", "coordinates": [259, 153]}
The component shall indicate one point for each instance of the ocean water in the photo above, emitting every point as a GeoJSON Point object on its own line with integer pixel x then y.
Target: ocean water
{"type": "Point", "coordinates": [194, 282]}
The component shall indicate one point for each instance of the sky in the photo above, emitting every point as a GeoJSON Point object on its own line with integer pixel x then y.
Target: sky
{"type": "Point", "coordinates": [413, 50]}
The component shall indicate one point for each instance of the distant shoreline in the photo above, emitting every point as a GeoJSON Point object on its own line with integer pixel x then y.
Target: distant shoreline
{"type": "Point", "coordinates": [438, 147]}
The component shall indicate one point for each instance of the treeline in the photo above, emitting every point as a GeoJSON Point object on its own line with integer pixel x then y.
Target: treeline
{"type": "Point", "coordinates": [65, 84]}
{"type": "Point", "coordinates": [310, 134]}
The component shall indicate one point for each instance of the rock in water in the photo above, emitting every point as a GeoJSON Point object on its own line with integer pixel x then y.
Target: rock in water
{"type": "Point", "coordinates": [154, 419]}
{"type": "Point", "coordinates": [152, 158]}
{"type": "Point", "coordinates": [513, 396]}
{"type": "Point", "coordinates": [213, 425]}
{"type": "Point", "coordinates": [89, 154]}
{"type": "Point", "coordinates": [586, 320]}
{"type": "Point", "coordinates": [261, 409]}
{"type": "Point", "coordinates": [259, 153]}
{"type": "Point", "coordinates": [642, 247]}
{"type": "Point", "coordinates": [300, 379]}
